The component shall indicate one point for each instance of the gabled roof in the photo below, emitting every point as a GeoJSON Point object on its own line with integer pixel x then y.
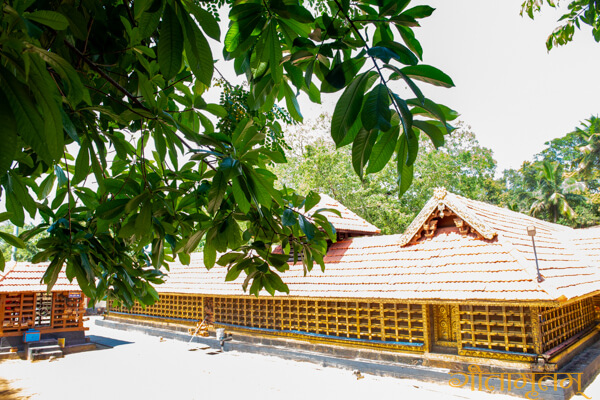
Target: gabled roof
{"type": "Point", "coordinates": [348, 222]}
{"type": "Point", "coordinates": [491, 260]}
{"type": "Point", "coordinates": [26, 277]}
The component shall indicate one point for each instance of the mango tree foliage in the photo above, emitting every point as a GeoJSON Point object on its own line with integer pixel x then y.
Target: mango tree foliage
{"type": "Point", "coordinates": [579, 12]}
{"type": "Point", "coordinates": [108, 137]}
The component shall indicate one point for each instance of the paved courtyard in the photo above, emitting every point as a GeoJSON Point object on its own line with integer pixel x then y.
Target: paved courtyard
{"type": "Point", "coordinates": [137, 366]}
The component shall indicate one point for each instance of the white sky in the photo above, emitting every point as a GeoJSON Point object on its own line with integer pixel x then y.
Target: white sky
{"type": "Point", "coordinates": [509, 89]}
{"type": "Point", "coordinates": [513, 93]}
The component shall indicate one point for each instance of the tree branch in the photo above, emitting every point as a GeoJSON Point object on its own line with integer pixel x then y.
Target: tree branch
{"type": "Point", "coordinates": [105, 75]}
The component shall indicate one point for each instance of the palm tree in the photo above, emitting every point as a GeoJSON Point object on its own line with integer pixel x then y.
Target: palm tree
{"type": "Point", "coordinates": [589, 159]}
{"type": "Point", "coordinates": [553, 189]}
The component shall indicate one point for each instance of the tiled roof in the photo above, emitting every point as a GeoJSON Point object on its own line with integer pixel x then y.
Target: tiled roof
{"type": "Point", "coordinates": [348, 221]}
{"type": "Point", "coordinates": [447, 266]}
{"type": "Point", "coordinates": [26, 277]}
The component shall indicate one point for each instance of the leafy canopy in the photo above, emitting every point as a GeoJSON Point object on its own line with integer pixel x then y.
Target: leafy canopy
{"type": "Point", "coordinates": [579, 12]}
{"type": "Point", "coordinates": [109, 139]}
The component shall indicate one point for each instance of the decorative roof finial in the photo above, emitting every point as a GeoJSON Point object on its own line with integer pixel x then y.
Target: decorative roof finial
{"type": "Point", "coordinates": [439, 193]}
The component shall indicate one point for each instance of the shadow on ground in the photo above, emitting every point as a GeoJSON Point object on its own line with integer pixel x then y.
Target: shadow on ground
{"type": "Point", "coordinates": [8, 393]}
{"type": "Point", "coordinates": [105, 342]}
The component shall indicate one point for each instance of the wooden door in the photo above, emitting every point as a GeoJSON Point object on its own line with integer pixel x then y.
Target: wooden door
{"type": "Point", "coordinates": [445, 325]}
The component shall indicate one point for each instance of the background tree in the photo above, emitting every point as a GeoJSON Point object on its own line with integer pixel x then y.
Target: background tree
{"type": "Point", "coordinates": [555, 185]}
{"type": "Point", "coordinates": [552, 192]}
{"type": "Point", "coordinates": [461, 165]}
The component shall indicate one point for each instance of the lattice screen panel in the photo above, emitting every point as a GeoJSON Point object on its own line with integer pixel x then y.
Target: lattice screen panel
{"type": "Point", "coordinates": [67, 312]}
{"type": "Point", "coordinates": [370, 320]}
{"type": "Point", "coordinates": [169, 306]}
{"type": "Point", "coordinates": [560, 323]}
{"type": "Point", "coordinates": [18, 311]}
{"type": "Point", "coordinates": [503, 328]}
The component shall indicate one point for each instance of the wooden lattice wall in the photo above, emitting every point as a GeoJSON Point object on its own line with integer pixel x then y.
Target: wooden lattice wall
{"type": "Point", "coordinates": [500, 328]}
{"type": "Point", "coordinates": [55, 312]}
{"type": "Point", "coordinates": [384, 321]}
{"type": "Point", "coordinates": [499, 331]}
{"type": "Point", "coordinates": [561, 323]}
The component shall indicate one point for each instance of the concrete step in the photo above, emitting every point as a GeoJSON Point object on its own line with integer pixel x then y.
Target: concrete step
{"type": "Point", "coordinates": [47, 354]}
{"type": "Point", "coordinates": [42, 343]}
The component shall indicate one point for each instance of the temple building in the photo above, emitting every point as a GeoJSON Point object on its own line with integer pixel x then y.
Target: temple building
{"type": "Point", "coordinates": [464, 281]}
{"type": "Point", "coordinates": [26, 305]}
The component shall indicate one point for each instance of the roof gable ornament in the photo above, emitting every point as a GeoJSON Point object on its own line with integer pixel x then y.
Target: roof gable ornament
{"type": "Point", "coordinates": [445, 204]}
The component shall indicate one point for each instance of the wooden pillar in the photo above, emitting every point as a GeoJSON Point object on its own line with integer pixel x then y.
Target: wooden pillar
{"type": "Point", "coordinates": [426, 330]}
{"type": "Point", "coordinates": [455, 310]}
{"type": "Point", "coordinates": [536, 329]}
{"type": "Point", "coordinates": [382, 320]}
{"type": "Point", "coordinates": [2, 311]}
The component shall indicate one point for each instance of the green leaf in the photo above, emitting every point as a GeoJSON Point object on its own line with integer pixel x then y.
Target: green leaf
{"type": "Point", "coordinates": [433, 131]}
{"type": "Point", "coordinates": [76, 91]}
{"type": "Point", "coordinates": [411, 41]}
{"type": "Point", "coordinates": [210, 255]}
{"type": "Point", "coordinates": [276, 283]}
{"type": "Point", "coordinates": [312, 199]}
{"type": "Point", "coordinates": [193, 242]}
{"type": "Point", "coordinates": [348, 106]}
{"type": "Point", "coordinates": [428, 108]}
{"type": "Point", "coordinates": [82, 165]}
{"type": "Point", "coordinates": [4, 216]}
{"type": "Point", "coordinates": [275, 57]}
{"type": "Point", "coordinates": [170, 44]}
{"type": "Point", "coordinates": [53, 19]}
{"type": "Point", "coordinates": [387, 49]}
{"type": "Point", "coordinates": [46, 186]}
{"type": "Point", "coordinates": [48, 99]}
{"type": "Point", "coordinates": [143, 221]}
{"type": "Point", "coordinates": [208, 23]}
{"type": "Point", "coordinates": [134, 203]}
{"type": "Point", "coordinates": [8, 133]}
{"type": "Point", "coordinates": [361, 149]}
{"type": "Point", "coordinates": [306, 227]}
{"type": "Point", "coordinates": [240, 195]}
{"type": "Point", "coordinates": [419, 12]}
{"type": "Point", "coordinates": [158, 253]}
{"type": "Point", "coordinates": [230, 258]}
{"type": "Point", "coordinates": [405, 172]}
{"type": "Point", "coordinates": [60, 175]}
{"type": "Point", "coordinates": [383, 150]}
{"type": "Point", "coordinates": [289, 217]}
{"type": "Point", "coordinates": [12, 240]}
{"type": "Point", "coordinates": [2, 262]}
{"type": "Point", "coordinates": [292, 103]}
{"type": "Point", "coordinates": [111, 209]}
{"type": "Point", "coordinates": [197, 51]}
{"type": "Point", "coordinates": [233, 274]}
{"type": "Point", "coordinates": [146, 89]}
{"type": "Point", "coordinates": [19, 189]}
{"type": "Point", "coordinates": [399, 74]}
{"type": "Point", "coordinates": [216, 192]}
{"type": "Point", "coordinates": [429, 74]}
{"type": "Point", "coordinates": [405, 115]}
{"type": "Point", "coordinates": [30, 124]}
{"type": "Point", "coordinates": [376, 112]}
